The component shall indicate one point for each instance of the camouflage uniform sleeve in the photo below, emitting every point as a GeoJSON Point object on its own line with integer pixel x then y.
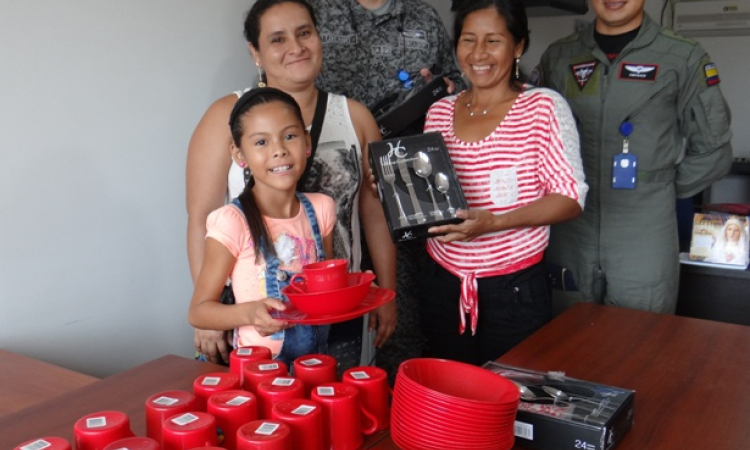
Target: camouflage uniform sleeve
{"type": "Point", "coordinates": [705, 123]}
{"type": "Point", "coordinates": [446, 63]}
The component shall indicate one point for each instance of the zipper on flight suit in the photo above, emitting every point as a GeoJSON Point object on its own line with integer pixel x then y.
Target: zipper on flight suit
{"type": "Point", "coordinates": [603, 86]}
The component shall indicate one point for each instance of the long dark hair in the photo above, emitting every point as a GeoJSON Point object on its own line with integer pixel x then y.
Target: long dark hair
{"type": "Point", "coordinates": [512, 11]}
{"type": "Point", "coordinates": [247, 102]}
{"type": "Point", "coordinates": [253, 16]}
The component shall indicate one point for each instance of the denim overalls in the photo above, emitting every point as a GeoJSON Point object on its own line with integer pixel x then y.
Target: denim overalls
{"type": "Point", "coordinates": [298, 340]}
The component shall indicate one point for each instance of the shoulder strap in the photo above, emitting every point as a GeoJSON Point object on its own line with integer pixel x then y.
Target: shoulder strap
{"type": "Point", "coordinates": [317, 125]}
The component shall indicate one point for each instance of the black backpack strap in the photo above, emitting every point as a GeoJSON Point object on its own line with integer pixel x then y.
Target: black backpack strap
{"type": "Point", "coordinates": [317, 125]}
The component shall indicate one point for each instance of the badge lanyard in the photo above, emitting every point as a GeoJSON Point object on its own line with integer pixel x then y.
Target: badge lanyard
{"type": "Point", "coordinates": [625, 165]}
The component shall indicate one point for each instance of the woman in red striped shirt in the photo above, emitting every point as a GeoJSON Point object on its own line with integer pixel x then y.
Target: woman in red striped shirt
{"type": "Point", "coordinates": [516, 153]}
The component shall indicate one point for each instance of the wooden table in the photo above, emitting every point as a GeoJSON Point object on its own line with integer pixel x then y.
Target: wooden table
{"type": "Point", "coordinates": [26, 381]}
{"type": "Point", "coordinates": [126, 392]}
{"type": "Point", "coordinates": [690, 375]}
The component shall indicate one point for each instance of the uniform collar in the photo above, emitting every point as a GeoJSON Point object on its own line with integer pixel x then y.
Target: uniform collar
{"type": "Point", "coordinates": [361, 13]}
{"type": "Point", "coordinates": [647, 34]}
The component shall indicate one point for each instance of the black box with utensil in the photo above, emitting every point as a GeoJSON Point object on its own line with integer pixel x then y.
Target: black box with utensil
{"type": "Point", "coordinates": [561, 413]}
{"type": "Point", "coordinates": [409, 109]}
{"type": "Point", "coordinates": [417, 184]}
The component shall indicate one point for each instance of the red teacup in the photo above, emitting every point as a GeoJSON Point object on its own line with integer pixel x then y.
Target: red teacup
{"type": "Point", "coordinates": [189, 430]}
{"type": "Point", "coordinates": [264, 435]}
{"type": "Point", "coordinates": [323, 276]}
{"type": "Point", "coordinates": [305, 419]}
{"type": "Point", "coordinates": [342, 416]}
{"type": "Point", "coordinates": [163, 405]}
{"type": "Point", "coordinates": [232, 409]}
{"type": "Point", "coordinates": [274, 390]}
{"type": "Point", "coordinates": [314, 370]}
{"type": "Point", "coordinates": [242, 355]}
{"type": "Point", "coordinates": [46, 443]}
{"type": "Point", "coordinates": [256, 371]}
{"type": "Point", "coordinates": [374, 392]}
{"type": "Point", "coordinates": [133, 443]}
{"type": "Point", "coordinates": [207, 385]}
{"type": "Point", "coordinates": [95, 431]}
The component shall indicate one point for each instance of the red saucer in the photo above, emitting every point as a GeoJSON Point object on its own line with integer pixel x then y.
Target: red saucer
{"type": "Point", "coordinates": [375, 297]}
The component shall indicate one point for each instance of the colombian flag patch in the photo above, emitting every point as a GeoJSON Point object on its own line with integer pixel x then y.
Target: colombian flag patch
{"type": "Point", "coordinates": [712, 74]}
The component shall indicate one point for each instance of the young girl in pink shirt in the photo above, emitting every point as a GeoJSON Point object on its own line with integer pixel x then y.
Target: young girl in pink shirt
{"type": "Point", "coordinates": [267, 233]}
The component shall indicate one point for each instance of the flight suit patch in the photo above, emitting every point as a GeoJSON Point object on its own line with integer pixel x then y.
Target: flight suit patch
{"type": "Point", "coordinates": [712, 74]}
{"type": "Point", "coordinates": [582, 72]}
{"type": "Point", "coordinates": [638, 72]}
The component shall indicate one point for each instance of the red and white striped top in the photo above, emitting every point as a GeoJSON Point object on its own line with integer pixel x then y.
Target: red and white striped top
{"type": "Point", "coordinates": [533, 152]}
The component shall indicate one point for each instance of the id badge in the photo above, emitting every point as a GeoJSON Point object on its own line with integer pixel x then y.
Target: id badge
{"type": "Point", "coordinates": [624, 171]}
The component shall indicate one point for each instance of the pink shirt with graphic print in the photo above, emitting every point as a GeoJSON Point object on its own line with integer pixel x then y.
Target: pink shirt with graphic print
{"type": "Point", "coordinates": [294, 244]}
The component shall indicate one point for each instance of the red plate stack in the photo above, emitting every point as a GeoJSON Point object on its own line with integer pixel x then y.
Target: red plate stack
{"type": "Point", "coordinates": [440, 404]}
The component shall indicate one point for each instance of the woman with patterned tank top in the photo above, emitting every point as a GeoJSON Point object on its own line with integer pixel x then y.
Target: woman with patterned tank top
{"type": "Point", "coordinates": [285, 45]}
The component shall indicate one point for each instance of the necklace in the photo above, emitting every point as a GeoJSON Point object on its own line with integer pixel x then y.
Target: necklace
{"type": "Point", "coordinates": [471, 113]}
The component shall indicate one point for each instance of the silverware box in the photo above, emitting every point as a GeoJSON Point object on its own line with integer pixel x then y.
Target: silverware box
{"type": "Point", "coordinates": [417, 184]}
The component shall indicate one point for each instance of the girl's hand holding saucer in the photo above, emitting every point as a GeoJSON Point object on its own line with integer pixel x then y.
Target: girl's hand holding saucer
{"type": "Point", "coordinates": [259, 315]}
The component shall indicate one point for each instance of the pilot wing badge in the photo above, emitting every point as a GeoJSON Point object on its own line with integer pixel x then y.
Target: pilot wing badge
{"type": "Point", "coordinates": [639, 72]}
{"type": "Point", "coordinates": [582, 72]}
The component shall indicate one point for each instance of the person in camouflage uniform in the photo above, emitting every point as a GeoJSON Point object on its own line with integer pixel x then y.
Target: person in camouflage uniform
{"type": "Point", "coordinates": [626, 77]}
{"type": "Point", "coordinates": [365, 44]}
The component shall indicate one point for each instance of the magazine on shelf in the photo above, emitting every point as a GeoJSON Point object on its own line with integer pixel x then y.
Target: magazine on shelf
{"type": "Point", "coordinates": [720, 240]}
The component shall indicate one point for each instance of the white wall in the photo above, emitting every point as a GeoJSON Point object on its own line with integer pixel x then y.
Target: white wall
{"type": "Point", "coordinates": [729, 53]}
{"type": "Point", "coordinates": [98, 99]}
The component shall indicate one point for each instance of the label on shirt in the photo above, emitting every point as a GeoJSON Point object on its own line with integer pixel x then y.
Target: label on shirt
{"type": "Point", "coordinates": [345, 39]}
{"type": "Point", "coordinates": [712, 74]}
{"type": "Point", "coordinates": [582, 72]}
{"type": "Point", "coordinates": [638, 72]}
{"type": "Point", "coordinates": [504, 186]}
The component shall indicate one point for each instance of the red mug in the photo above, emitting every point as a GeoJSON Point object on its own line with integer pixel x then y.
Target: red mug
{"type": "Point", "coordinates": [256, 371]}
{"type": "Point", "coordinates": [231, 409]}
{"type": "Point", "coordinates": [305, 419]}
{"type": "Point", "coordinates": [342, 416]}
{"type": "Point", "coordinates": [242, 355]}
{"type": "Point", "coordinates": [189, 430]}
{"type": "Point", "coordinates": [208, 384]}
{"type": "Point", "coordinates": [314, 370]}
{"type": "Point", "coordinates": [133, 443]}
{"type": "Point", "coordinates": [264, 435]}
{"type": "Point", "coordinates": [374, 392]}
{"type": "Point", "coordinates": [46, 443]}
{"type": "Point", "coordinates": [328, 275]}
{"type": "Point", "coordinates": [95, 431]}
{"type": "Point", "coordinates": [273, 390]}
{"type": "Point", "coordinates": [163, 405]}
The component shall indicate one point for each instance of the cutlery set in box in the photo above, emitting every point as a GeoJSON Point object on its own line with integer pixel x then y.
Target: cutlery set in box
{"type": "Point", "coordinates": [417, 184]}
{"type": "Point", "coordinates": [560, 413]}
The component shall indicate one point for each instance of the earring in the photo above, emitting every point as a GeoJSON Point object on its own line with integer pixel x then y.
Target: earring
{"type": "Point", "coordinates": [248, 176]}
{"type": "Point", "coordinates": [308, 152]}
{"type": "Point", "coordinates": [261, 76]}
{"type": "Point", "coordinates": [518, 70]}
{"type": "Point", "coordinates": [242, 164]}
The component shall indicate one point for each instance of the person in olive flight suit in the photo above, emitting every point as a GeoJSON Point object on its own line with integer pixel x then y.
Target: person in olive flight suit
{"type": "Point", "coordinates": [654, 126]}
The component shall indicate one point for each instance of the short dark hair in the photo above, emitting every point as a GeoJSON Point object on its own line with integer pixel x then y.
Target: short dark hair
{"type": "Point", "coordinates": [253, 16]}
